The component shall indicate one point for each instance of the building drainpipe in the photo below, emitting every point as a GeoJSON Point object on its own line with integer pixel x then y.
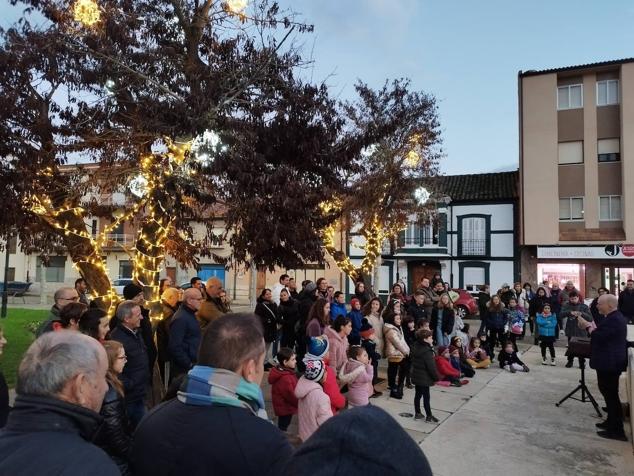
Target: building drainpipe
{"type": "Point", "coordinates": [450, 237]}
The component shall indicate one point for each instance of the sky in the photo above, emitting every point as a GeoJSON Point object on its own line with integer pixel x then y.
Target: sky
{"type": "Point", "coordinates": [466, 53]}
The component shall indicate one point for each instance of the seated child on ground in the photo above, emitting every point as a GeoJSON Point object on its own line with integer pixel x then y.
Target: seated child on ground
{"type": "Point", "coordinates": [465, 367]}
{"type": "Point", "coordinates": [313, 403]}
{"type": "Point", "coordinates": [477, 356]}
{"type": "Point", "coordinates": [510, 361]}
{"type": "Point", "coordinates": [485, 345]}
{"type": "Point", "coordinates": [446, 371]}
{"type": "Point", "coordinates": [360, 388]}
{"type": "Point", "coordinates": [283, 381]}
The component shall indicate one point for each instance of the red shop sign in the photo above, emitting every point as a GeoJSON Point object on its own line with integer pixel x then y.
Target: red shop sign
{"type": "Point", "coordinates": [627, 250]}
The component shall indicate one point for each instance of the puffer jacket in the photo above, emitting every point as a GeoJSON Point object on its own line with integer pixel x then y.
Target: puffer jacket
{"type": "Point", "coordinates": [496, 319]}
{"type": "Point", "coordinates": [313, 407]}
{"type": "Point", "coordinates": [424, 370]}
{"type": "Point", "coordinates": [396, 349]}
{"type": "Point", "coordinates": [445, 369]}
{"type": "Point", "coordinates": [115, 433]}
{"type": "Point", "coordinates": [337, 310]}
{"type": "Point", "coordinates": [547, 325]}
{"type": "Point", "coordinates": [360, 389]}
{"type": "Point", "coordinates": [283, 382]}
{"type": "Point", "coordinates": [338, 349]}
{"type": "Point", "coordinates": [377, 324]}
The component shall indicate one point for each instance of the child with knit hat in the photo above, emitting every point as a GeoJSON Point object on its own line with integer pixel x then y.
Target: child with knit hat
{"type": "Point", "coordinates": [368, 343]}
{"type": "Point", "coordinates": [313, 403]}
{"type": "Point", "coordinates": [318, 349]}
{"type": "Point", "coordinates": [446, 372]}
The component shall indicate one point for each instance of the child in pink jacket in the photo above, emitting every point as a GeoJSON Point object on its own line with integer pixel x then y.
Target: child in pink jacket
{"type": "Point", "coordinates": [314, 405]}
{"type": "Point", "coordinates": [360, 389]}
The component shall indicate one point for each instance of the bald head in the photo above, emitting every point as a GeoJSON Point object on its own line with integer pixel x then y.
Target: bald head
{"type": "Point", "coordinates": [192, 297]}
{"type": "Point", "coordinates": [213, 287]}
{"type": "Point", "coordinates": [607, 303]}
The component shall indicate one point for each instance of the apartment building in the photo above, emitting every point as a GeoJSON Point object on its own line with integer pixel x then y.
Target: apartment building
{"type": "Point", "coordinates": [576, 133]}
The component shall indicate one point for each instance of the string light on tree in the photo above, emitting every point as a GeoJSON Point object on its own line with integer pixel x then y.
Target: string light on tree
{"type": "Point", "coordinates": [86, 12]}
{"type": "Point", "coordinates": [421, 195]}
{"type": "Point", "coordinates": [236, 7]}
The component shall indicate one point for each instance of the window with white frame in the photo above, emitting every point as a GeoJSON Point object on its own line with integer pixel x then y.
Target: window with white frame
{"type": "Point", "coordinates": [570, 152]}
{"type": "Point", "coordinates": [610, 208]}
{"type": "Point", "coordinates": [474, 236]}
{"type": "Point", "coordinates": [570, 97]}
{"type": "Point", "coordinates": [571, 209]}
{"type": "Point", "coordinates": [609, 150]}
{"type": "Point", "coordinates": [607, 92]}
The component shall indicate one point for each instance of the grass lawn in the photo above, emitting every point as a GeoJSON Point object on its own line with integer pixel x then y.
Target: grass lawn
{"type": "Point", "coordinates": [19, 327]}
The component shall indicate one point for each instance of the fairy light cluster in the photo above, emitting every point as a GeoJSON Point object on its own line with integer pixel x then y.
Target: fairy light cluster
{"type": "Point", "coordinates": [86, 12]}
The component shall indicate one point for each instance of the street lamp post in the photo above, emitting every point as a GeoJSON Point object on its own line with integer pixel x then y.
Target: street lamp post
{"type": "Point", "coordinates": [5, 288]}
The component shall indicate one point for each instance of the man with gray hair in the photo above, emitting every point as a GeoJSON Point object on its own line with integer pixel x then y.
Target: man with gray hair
{"type": "Point", "coordinates": [61, 385]}
{"type": "Point", "coordinates": [136, 373]}
{"type": "Point", "coordinates": [609, 358]}
{"type": "Point", "coordinates": [62, 297]}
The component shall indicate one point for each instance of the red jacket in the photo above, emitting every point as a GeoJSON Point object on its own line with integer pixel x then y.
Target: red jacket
{"type": "Point", "coordinates": [283, 383]}
{"type": "Point", "coordinates": [445, 368]}
{"type": "Point", "coordinates": [331, 388]}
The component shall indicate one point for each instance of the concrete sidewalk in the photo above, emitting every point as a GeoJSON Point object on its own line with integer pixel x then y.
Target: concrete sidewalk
{"type": "Point", "coordinates": [508, 424]}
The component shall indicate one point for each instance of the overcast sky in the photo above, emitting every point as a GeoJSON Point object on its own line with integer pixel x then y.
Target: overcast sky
{"type": "Point", "coordinates": [467, 53]}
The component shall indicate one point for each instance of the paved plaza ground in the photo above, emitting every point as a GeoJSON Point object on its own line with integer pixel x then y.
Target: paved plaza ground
{"type": "Point", "coordinates": [507, 424]}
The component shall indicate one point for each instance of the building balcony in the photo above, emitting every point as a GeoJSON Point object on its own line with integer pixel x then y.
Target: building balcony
{"type": "Point", "coordinates": [118, 240]}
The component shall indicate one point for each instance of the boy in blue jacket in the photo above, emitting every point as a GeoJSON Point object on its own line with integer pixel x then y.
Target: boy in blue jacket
{"type": "Point", "coordinates": [355, 317]}
{"type": "Point", "coordinates": [338, 306]}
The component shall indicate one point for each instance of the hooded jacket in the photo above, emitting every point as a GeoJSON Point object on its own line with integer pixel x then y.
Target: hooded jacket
{"type": "Point", "coordinates": [48, 436]}
{"type": "Point", "coordinates": [360, 389]}
{"type": "Point", "coordinates": [355, 317]}
{"type": "Point", "coordinates": [283, 382]}
{"type": "Point", "coordinates": [547, 325]}
{"type": "Point", "coordinates": [313, 407]}
{"type": "Point", "coordinates": [337, 355]}
{"type": "Point", "coordinates": [364, 440]}
{"type": "Point", "coordinates": [336, 310]}
{"type": "Point", "coordinates": [396, 349]}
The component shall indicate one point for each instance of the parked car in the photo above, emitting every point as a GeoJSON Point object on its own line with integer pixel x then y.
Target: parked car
{"type": "Point", "coordinates": [119, 284]}
{"type": "Point", "coordinates": [185, 285]}
{"type": "Point", "coordinates": [463, 302]}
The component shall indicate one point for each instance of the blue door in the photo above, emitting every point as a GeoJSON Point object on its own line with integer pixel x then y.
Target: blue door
{"type": "Point", "coordinates": [207, 271]}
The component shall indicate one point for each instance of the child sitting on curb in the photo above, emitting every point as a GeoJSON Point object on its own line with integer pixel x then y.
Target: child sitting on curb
{"type": "Point", "coordinates": [360, 389]}
{"type": "Point", "coordinates": [283, 381]}
{"type": "Point", "coordinates": [485, 345]}
{"type": "Point", "coordinates": [446, 372]}
{"type": "Point", "coordinates": [465, 367]}
{"type": "Point", "coordinates": [510, 361]}
{"type": "Point", "coordinates": [313, 403]}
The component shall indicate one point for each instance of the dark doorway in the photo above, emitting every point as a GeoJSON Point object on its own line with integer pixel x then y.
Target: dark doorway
{"type": "Point", "coordinates": [417, 270]}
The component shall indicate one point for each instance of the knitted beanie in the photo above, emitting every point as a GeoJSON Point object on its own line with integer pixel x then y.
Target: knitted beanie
{"type": "Point", "coordinates": [317, 348]}
{"type": "Point", "coordinates": [130, 291]}
{"type": "Point", "coordinates": [315, 370]}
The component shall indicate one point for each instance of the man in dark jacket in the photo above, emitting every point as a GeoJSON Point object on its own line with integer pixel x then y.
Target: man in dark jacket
{"type": "Point", "coordinates": [416, 307]}
{"type": "Point", "coordinates": [184, 334]}
{"type": "Point", "coordinates": [61, 384]}
{"type": "Point", "coordinates": [626, 301]}
{"type": "Point", "coordinates": [136, 373]}
{"type": "Point", "coordinates": [609, 359]}
{"type": "Point", "coordinates": [431, 298]}
{"type": "Point", "coordinates": [62, 297]}
{"type": "Point", "coordinates": [571, 312]}
{"type": "Point", "coordinates": [218, 424]}
{"type": "Point", "coordinates": [506, 294]}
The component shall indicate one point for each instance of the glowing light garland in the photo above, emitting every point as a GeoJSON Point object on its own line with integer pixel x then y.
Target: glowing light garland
{"type": "Point", "coordinates": [86, 12]}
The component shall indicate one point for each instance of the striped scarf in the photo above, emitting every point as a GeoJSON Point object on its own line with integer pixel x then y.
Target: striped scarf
{"type": "Point", "coordinates": [206, 386]}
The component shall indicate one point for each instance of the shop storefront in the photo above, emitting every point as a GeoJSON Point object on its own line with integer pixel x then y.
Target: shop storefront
{"type": "Point", "coordinates": [589, 267]}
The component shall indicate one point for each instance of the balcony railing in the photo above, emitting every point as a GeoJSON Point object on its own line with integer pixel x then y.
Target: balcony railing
{"type": "Point", "coordinates": [473, 247]}
{"type": "Point", "coordinates": [119, 239]}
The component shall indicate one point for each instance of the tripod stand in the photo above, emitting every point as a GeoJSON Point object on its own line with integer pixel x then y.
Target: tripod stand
{"type": "Point", "coordinates": [584, 391]}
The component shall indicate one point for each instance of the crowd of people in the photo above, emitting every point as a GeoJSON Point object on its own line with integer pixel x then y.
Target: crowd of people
{"type": "Point", "coordinates": [94, 378]}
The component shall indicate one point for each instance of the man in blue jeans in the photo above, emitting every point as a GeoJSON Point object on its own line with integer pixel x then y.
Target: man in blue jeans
{"type": "Point", "coordinates": [136, 373]}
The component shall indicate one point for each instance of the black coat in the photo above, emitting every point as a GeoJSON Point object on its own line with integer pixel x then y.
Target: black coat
{"type": "Point", "coordinates": [508, 359]}
{"type": "Point", "coordinates": [115, 434]}
{"type": "Point", "coordinates": [370, 348]}
{"type": "Point", "coordinates": [179, 439]}
{"type": "Point", "coordinates": [536, 305]}
{"type": "Point", "coordinates": [626, 303]}
{"type": "Point", "coordinates": [136, 373]}
{"type": "Point", "coordinates": [609, 344]}
{"type": "Point", "coordinates": [448, 320]}
{"type": "Point", "coordinates": [596, 315]}
{"type": "Point", "coordinates": [289, 315]}
{"type": "Point", "coordinates": [483, 299]}
{"type": "Point", "coordinates": [4, 401]}
{"type": "Point", "coordinates": [417, 312]}
{"type": "Point", "coordinates": [267, 312]}
{"type": "Point", "coordinates": [424, 370]}
{"type": "Point", "coordinates": [48, 436]}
